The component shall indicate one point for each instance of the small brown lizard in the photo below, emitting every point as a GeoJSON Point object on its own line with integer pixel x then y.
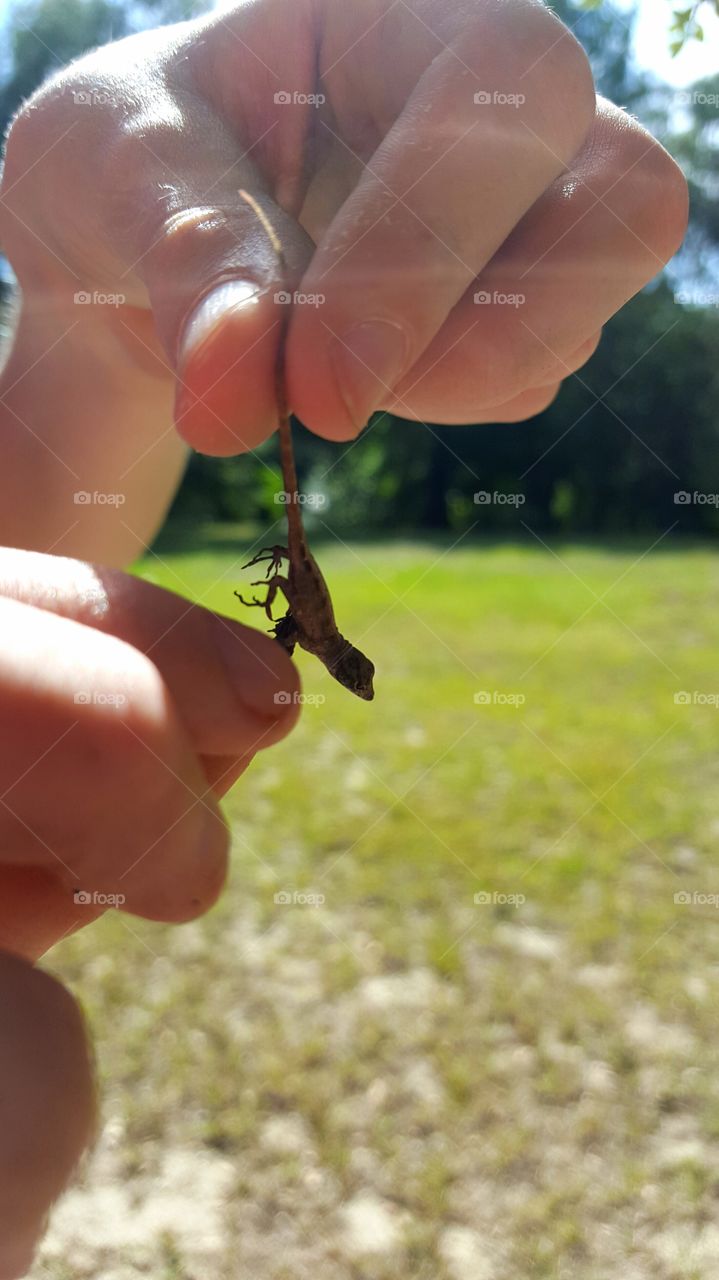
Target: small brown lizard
{"type": "Point", "coordinates": [310, 621]}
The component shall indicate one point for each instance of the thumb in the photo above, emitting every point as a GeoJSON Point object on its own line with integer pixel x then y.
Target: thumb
{"type": "Point", "coordinates": [213, 279]}
{"type": "Point", "coordinates": [47, 1106]}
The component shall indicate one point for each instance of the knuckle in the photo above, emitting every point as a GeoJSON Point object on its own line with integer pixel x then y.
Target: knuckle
{"type": "Point", "coordinates": [40, 123]}
{"type": "Point", "coordinates": [23, 147]}
{"type": "Point", "coordinates": [646, 188]}
{"type": "Point", "coordinates": [664, 201]}
{"type": "Point", "coordinates": [559, 77]}
{"type": "Point", "coordinates": [17, 152]}
{"type": "Point", "coordinates": [524, 50]}
{"type": "Point", "coordinates": [184, 232]}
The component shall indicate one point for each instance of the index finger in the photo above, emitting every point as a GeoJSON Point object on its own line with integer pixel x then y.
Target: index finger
{"type": "Point", "coordinates": [494, 119]}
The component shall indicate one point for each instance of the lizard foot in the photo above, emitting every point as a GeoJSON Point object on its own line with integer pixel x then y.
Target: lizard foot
{"type": "Point", "coordinates": [274, 557]}
{"type": "Point", "coordinates": [274, 585]}
{"type": "Point", "coordinates": [254, 603]}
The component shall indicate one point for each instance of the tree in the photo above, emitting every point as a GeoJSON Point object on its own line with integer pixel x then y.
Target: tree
{"type": "Point", "coordinates": [686, 22]}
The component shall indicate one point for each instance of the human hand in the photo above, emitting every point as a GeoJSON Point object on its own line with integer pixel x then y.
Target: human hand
{"type": "Point", "coordinates": [397, 198]}
{"type": "Point", "coordinates": [126, 714]}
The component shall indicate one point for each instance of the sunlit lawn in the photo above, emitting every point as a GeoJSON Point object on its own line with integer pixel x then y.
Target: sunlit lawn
{"type": "Point", "coordinates": [504, 1090]}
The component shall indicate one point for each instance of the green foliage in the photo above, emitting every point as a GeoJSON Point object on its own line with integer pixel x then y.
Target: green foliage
{"type": "Point", "coordinates": [685, 24]}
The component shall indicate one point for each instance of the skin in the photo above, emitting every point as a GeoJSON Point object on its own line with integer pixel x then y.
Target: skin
{"type": "Point", "coordinates": [564, 199]}
{"type": "Point", "coordinates": [396, 199]}
{"type": "Point", "coordinates": [115, 796]}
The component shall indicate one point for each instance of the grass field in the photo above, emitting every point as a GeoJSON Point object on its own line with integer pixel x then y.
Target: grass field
{"type": "Point", "coordinates": [402, 1081]}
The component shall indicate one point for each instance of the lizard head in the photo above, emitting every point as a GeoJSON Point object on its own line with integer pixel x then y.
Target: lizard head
{"type": "Point", "coordinates": [355, 672]}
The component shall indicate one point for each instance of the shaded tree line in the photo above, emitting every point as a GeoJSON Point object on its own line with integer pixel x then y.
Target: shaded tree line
{"type": "Point", "coordinates": [631, 444]}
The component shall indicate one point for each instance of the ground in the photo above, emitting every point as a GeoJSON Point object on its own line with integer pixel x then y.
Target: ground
{"type": "Point", "coordinates": [485, 1049]}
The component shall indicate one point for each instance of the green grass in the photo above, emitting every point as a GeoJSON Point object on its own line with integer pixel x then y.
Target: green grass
{"type": "Point", "coordinates": [539, 1077]}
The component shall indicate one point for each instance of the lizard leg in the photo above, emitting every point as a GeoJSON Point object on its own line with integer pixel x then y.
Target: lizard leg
{"type": "Point", "coordinates": [278, 583]}
{"type": "Point", "coordinates": [286, 633]}
{"type": "Point", "coordinates": [274, 557]}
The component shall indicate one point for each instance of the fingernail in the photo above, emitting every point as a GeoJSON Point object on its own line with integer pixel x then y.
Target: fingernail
{"type": "Point", "coordinates": [368, 361]}
{"type": "Point", "coordinates": [233, 295]}
{"type": "Point", "coordinates": [260, 672]}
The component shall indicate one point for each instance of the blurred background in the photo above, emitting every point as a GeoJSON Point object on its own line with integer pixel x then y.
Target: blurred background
{"type": "Point", "coordinates": [455, 1018]}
